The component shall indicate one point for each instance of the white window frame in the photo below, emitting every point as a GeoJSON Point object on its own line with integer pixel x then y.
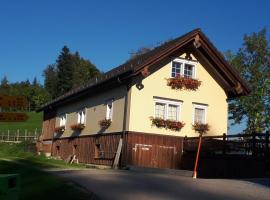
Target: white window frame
{"type": "Point", "coordinates": [199, 106]}
{"type": "Point", "coordinates": [61, 117]}
{"type": "Point", "coordinates": [167, 103]}
{"type": "Point", "coordinates": [184, 62]}
{"type": "Point", "coordinates": [79, 117]}
{"type": "Point", "coordinates": [109, 115]}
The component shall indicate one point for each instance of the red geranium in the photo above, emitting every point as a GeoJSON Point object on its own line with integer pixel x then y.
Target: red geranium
{"type": "Point", "coordinates": [78, 126]}
{"type": "Point", "coordinates": [182, 82]}
{"type": "Point", "coordinates": [167, 124]}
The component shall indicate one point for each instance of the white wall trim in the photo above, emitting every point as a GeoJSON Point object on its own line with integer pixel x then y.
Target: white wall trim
{"type": "Point", "coordinates": [167, 103]}
{"type": "Point", "coordinates": [184, 61]}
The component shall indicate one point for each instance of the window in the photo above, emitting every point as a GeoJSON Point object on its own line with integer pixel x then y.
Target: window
{"type": "Point", "coordinates": [160, 110]}
{"type": "Point", "coordinates": [167, 109]}
{"type": "Point", "coordinates": [109, 112]}
{"type": "Point", "coordinates": [81, 117]}
{"type": "Point", "coordinates": [63, 120]}
{"type": "Point", "coordinates": [183, 67]}
{"type": "Point", "coordinates": [99, 153]}
{"type": "Point", "coordinates": [199, 113]}
{"type": "Point", "coordinates": [172, 112]}
{"type": "Point", "coordinates": [176, 69]}
{"type": "Point", "coordinates": [188, 70]}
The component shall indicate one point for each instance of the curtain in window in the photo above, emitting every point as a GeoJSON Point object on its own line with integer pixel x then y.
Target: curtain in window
{"type": "Point", "coordinates": [172, 112]}
{"type": "Point", "coordinates": [160, 110]}
{"type": "Point", "coordinates": [199, 115]}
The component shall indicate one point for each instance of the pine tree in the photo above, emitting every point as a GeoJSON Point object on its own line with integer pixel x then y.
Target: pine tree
{"type": "Point", "coordinates": [65, 69]}
{"type": "Point", "coordinates": [50, 80]}
{"type": "Point", "coordinates": [4, 87]}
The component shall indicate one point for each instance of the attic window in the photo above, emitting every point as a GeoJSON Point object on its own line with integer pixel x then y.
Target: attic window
{"type": "Point", "coordinates": [181, 67]}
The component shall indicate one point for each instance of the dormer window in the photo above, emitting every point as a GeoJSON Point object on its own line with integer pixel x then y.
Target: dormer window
{"type": "Point", "coordinates": [181, 67]}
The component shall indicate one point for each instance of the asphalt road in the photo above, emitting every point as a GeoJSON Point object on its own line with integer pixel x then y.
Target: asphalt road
{"type": "Point", "coordinates": [128, 185]}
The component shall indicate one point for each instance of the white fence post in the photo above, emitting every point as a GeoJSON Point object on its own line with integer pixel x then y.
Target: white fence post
{"type": "Point", "coordinates": [8, 135]}
{"type": "Point", "coordinates": [25, 134]}
{"type": "Point", "coordinates": [35, 138]}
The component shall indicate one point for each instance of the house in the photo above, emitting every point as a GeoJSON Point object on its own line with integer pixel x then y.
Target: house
{"type": "Point", "coordinates": [149, 103]}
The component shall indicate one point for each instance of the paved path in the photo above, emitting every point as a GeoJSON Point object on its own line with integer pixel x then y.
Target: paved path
{"type": "Point", "coordinates": [126, 185]}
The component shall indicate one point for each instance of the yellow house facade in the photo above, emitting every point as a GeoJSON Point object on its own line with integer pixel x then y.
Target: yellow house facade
{"type": "Point", "coordinates": [90, 121]}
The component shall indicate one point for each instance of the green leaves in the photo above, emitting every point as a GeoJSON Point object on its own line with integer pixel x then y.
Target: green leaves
{"type": "Point", "coordinates": [253, 62]}
{"type": "Point", "coordinates": [69, 71]}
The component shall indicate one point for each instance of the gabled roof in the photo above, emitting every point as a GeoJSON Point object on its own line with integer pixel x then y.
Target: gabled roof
{"type": "Point", "coordinates": [234, 85]}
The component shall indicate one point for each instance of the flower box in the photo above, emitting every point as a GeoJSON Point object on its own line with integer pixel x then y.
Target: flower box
{"type": "Point", "coordinates": [59, 129]}
{"type": "Point", "coordinates": [201, 128]}
{"type": "Point", "coordinates": [105, 123]}
{"type": "Point", "coordinates": [167, 124]}
{"type": "Point", "coordinates": [181, 82]}
{"type": "Point", "coordinates": [78, 127]}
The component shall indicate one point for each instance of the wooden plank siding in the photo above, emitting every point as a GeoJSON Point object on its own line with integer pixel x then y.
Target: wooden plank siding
{"type": "Point", "coordinates": [48, 126]}
{"type": "Point", "coordinates": [155, 151]}
{"type": "Point", "coordinates": [84, 148]}
{"type": "Point", "coordinates": [139, 149]}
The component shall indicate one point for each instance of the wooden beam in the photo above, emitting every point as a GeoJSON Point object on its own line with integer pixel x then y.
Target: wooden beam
{"type": "Point", "coordinates": [197, 41]}
{"type": "Point", "coordinates": [145, 72]}
{"type": "Point", "coordinates": [118, 153]}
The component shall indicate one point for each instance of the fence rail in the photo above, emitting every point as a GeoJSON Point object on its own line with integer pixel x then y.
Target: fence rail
{"type": "Point", "coordinates": [19, 136]}
{"type": "Point", "coordinates": [241, 144]}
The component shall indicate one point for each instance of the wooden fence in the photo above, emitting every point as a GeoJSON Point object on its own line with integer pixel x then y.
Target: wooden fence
{"type": "Point", "coordinates": [19, 136]}
{"type": "Point", "coordinates": [237, 156]}
{"type": "Point", "coordinates": [241, 144]}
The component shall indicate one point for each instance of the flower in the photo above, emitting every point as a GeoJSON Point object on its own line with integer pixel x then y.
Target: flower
{"type": "Point", "coordinates": [182, 82]}
{"type": "Point", "coordinates": [105, 123]}
{"type": "Point", "coordinates": [167, 124]}
{"type": "Point", "coordinates": [59, 129]}
{"type": "Point", "coordinates": [200, 127]}
{"type": "Point", "coordinates": [78, 126]}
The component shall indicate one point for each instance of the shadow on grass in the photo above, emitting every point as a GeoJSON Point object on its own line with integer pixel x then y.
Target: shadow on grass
{"type": "Point", "coordinates": [34, 182]}
{"type": "Point", "coordinates": [37, 184]}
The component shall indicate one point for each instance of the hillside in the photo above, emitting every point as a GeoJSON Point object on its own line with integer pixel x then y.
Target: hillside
{"type": "Point", "coordinates": [34, 122]}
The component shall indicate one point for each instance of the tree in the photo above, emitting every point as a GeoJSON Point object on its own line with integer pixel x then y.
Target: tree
{"type": "Point", "coordinates": [84, 70]}
{"type": "Point", "coordinates": [65, 69]}
{"type": "Point", "coordinates": [253, 63]}
{"type": "Point", "coordinates": [69, 71]}
{"type": "Point", "coordinates": [4, 87]}
{"type": "Point", "coordinates": [50, 80]}
{"type": "Point", "coordinates": [139, 52]}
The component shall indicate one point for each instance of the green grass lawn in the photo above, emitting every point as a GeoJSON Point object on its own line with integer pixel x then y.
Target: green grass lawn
{"type": "Point", "coordinates": [35, 183]}
{"type": "Point", "coordinates": [34, 122]}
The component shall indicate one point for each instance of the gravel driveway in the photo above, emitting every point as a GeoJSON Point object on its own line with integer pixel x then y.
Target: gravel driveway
{"type": "Point", "coordinates": [128, 185]}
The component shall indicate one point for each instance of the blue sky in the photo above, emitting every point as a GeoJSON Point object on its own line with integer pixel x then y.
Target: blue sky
{"type": "Point", "coordinates": [33, 32]}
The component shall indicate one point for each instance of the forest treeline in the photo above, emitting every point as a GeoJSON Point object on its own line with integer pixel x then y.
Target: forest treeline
{"type": "Point", "coordinates": [69, 71]}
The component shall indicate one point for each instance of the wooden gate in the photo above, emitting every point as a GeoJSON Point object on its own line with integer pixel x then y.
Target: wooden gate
{"type": "Point", "coordinates": [155, 151]}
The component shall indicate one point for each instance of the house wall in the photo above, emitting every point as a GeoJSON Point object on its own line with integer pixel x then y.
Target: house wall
{"type": "Point", "coordinates": [95, 111]}
{"type": "Point", "coordinates": [84, 148]}
{"type": "Point", "coordinates": [142, 104]}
